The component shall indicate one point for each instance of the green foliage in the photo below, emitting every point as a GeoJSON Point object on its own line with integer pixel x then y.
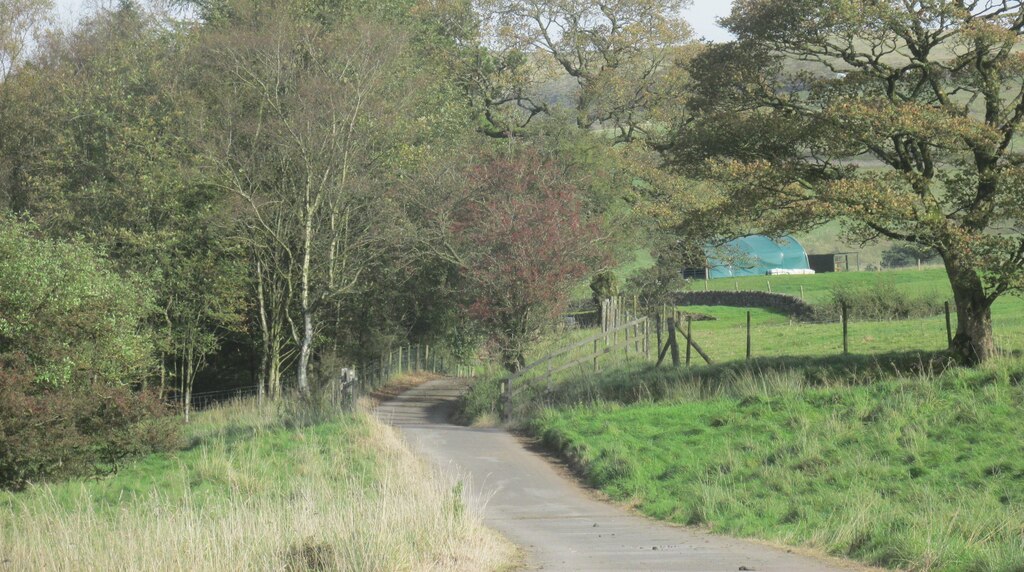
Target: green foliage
{"type": "Point", "coordinates": [56, 432]}
{"type": "Point", "coordinates": [657, 284]}
{"type": "Point", "coordinates": [878, 301]}
{"type": "Point", "coordinates": [102, 149]}
{"type": "Point", "coordinates": [64, 308]}
{"type": "Point", "coordinates": [901, 255]}
{"type": "Point", "coordinates": [482, 400]}
{"type": "Point", "coordinates": [604, 285]}
{"type": "Point", "coordinates": [907, 472]}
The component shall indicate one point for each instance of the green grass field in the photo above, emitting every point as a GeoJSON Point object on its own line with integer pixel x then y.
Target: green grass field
{"type": "Point", "coordinates": [888, 455]}
{"type": "Point", "coordinates": [917, 473]}
{"type": "Point", "coordinates": [776, 335]}
{"type": "Point", "coordinates": [261, 488]}
{"type": "Point", "coordinates": [819, 287]}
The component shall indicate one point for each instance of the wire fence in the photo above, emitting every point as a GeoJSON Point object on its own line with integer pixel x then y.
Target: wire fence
{"type": "Point", "coordinates": [343, 385]}
{"type": "Point", "coordinates": [667, 336]}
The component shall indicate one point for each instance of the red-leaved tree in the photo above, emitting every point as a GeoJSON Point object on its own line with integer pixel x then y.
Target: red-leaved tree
{"type": "Point", "coordinates": [526, 243]}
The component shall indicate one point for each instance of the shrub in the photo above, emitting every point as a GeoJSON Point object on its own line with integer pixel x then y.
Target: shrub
{"type": "Point", "coordinates": [51, 432]}
{"type": "Point", "coordinates": [482, 399]}
{"type": "Point", "coordinates": [604, 285]}
{"type": "Point", "coordinates": [880, 301]}
{"type": "Point", "coordinates": [64, 308]}
{"type": "Point", "coordinates": [656, 285]}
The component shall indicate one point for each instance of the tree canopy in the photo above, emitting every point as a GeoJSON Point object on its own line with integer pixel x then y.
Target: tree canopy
{"type": "Point", "coordinates": [899, 118]}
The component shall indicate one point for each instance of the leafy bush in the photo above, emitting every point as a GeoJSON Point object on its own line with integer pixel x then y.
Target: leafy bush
{"type": "Point", "coordinates": [482, 399]}
{"type": "Point", "coordinates": [656, 285]}
{"type": "Point", "coordinates": [51, 432]}
{"type": "Point", "coordinates": [73, 318]}
{"type": "Point", "coordinates": [604, 285]}
{"type": "Point", "coordinates": [880, 301]}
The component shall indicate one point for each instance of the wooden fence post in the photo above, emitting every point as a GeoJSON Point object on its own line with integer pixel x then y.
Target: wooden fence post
{"type": "Point", "coordinates": [801, 292]}
{"type": "Point", "coordinates": [615, 322]}
{"type": "Point", "coordinates": [696, 347]}
{"type": "Point", "coordinates": [748, 334]}
{"type": "Point", "coordinates": [506, 397]}
{"type": "Point", "coordinates": [625, 342]}
{"type": "Point", "coordinates": [949, 327]}
{"type": "Point", "coordinates": [672, 341]}
{"type": "Point", "coordinates": [846, 344]}
{"type": "Point", "coordinates": [604, 314]}
{"type": "Point", "coordinates": [689, 336]}
{"type": "Point", "coordinates": [769, 285]}
{"type": "Point", "coordinates": [647, 338]}
{"type": "Point", "coordinates": [657, 330]}
{"type": "Point", "coordinates": [597, 367]}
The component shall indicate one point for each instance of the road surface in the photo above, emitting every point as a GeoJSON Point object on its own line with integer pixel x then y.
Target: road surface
{"type": "Point", "coordinates": [561, 525]}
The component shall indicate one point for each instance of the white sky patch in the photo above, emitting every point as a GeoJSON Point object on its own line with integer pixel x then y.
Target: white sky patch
{"type": "Point", "coordinates": [701, 16]}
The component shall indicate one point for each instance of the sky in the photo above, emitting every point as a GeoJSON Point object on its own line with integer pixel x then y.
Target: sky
{"type": "Point", "coordinates": [701, 15]}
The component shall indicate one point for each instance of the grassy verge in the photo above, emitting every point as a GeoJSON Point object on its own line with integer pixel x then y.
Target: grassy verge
{"type": "Point", "coordinates": [911, 472]}
{"type": "Point", "coordinates": [259, 489]}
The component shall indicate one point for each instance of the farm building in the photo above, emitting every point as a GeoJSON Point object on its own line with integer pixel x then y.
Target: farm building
{"type": "Point", "coordinates": [755, 255]}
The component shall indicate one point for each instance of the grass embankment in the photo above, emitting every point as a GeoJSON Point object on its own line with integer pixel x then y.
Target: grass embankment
{"type": "Point", "coordinates": [913, 472]}
{"type": "Point", "coordinates": [259, 489]}
{"type": "Point", "coordinates": [885, 455]}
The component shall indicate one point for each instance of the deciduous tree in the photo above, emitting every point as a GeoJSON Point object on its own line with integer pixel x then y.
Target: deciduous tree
{"type": "Point", "coordinates": [616, 51]}
{"type": "Point", "coordinates": [526, 243]}
{"type": "Point", "coordinates": [897, 117]}
{"type": "Point", "coordinates": [308, 113]}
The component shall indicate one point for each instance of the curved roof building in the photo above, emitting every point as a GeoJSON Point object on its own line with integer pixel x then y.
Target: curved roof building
{"type": "Point", "coordinates": [757, 255]}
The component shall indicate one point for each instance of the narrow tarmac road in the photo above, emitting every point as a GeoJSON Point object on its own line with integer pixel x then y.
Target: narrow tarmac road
{"type": "Point", "coordinates": [560, 525]}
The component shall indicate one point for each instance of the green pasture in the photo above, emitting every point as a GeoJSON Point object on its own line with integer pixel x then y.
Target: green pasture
{"type": "Point", "coordinates": [819, 287]}
{"type": "Point", "coordinates": [774, 334]}
{"type": "Point", "coordinates": [911, 472]}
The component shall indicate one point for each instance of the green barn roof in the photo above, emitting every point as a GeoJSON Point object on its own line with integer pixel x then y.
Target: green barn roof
{"type": "Point", "coordinates": [755, 255]}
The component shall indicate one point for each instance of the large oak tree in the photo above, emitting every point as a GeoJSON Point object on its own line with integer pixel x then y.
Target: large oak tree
{"type": "Point", "coordinates": [899, 117]}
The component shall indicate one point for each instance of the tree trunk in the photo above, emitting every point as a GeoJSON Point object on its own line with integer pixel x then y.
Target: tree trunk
{"type": "Point", "coordinates": [274, 373]}
{"type": "Point", "coordinates": [973, 342]}
{"type": "Point", "coordinates": [187, 382]}
{"type": "Point", "coordinates": [306, 342]}
{"type": "Point", "coordinates": [264, 334]}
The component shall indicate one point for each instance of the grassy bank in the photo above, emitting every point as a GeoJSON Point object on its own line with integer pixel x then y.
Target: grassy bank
{"type": "Point", "coordinates": [889, 455]}
{"type": "Point", "coordinates": [259, 489]}
{"type": "Point", "coordinates": [909, 472]}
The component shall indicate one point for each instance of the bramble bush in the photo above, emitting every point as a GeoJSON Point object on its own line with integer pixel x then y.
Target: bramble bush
{"type": "Point", "coordinates": [55, 432]}
{"type": "Point", "coordinates": [878, 302]}
{"type": "Point", "coordinates": [73, 342]}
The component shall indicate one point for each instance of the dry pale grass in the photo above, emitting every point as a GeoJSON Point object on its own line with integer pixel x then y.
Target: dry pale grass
{"type": "Point", "coordinates": [399, 514]}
